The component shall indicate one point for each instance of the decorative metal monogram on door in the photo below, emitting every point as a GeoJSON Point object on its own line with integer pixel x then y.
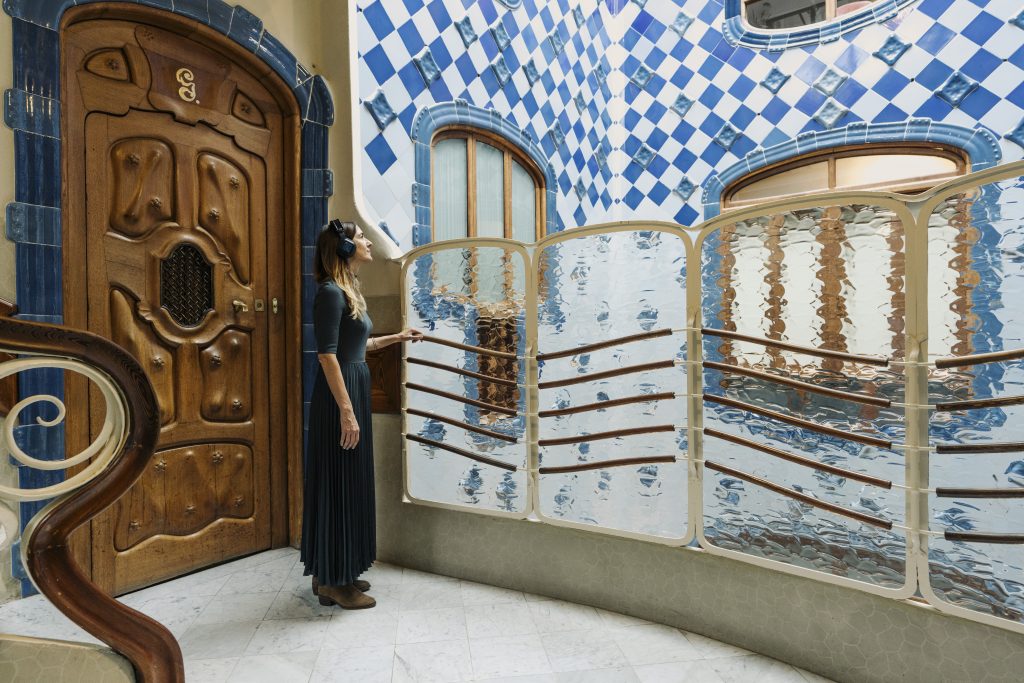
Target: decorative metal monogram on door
{"type": "Point", "coordinates": [186, 78]}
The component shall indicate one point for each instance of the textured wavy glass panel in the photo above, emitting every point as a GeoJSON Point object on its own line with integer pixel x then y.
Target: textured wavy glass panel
{"type": "Point", "coordinates": [976, 290]}
{"type": "Point", "coordinates": [830, 278]}
{"type": "Point", "coordinates": [471, 296]}
{"type": "Point", "coordinates": [592, 289]}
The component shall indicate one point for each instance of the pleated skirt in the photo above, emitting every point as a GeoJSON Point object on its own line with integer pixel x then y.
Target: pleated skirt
{"type": "Point", "coordinates": [339, 534]}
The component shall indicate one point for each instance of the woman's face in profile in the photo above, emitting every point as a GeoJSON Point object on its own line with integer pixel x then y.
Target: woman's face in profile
{"type": "Point", "coordinates": [363, 244]}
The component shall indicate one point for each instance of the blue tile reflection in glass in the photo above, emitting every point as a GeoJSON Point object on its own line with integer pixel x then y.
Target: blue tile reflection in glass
{"type": "Point", "coordinates": [380, 110]}
{"type": "Point", "coordinates": [557, 44]}
{"type": "Point", "coordinates": [892, 49]}
{"type": "Point", "coordinates": [530, 69]}
{"type": "Point", "coordinates": [682, 105]}
{"type": "Point", "coordinates": [465, 29]}
{"type": "Point", "coordinates": [681, 23]}
{"type": "Point", "coordinates": [774, 80]}
{"type": "Point", "coordinates": [956, 88]}
{"type": "Point", "coordinates": [501, 37]}
{"type": "Point", "coordinates": [829, 81]}
{"type": "Point", "coordinates": [726, 136]}
{"type": "Point", "coordinates": [1017, 134]}
{"type": "Point", "coordinates": [427, 67]}
{"type": "Point", "coordinates": [501, 71]}
{"type": "Point", "coordinates": [642, 76]}
{"type": "Point", "coordinates": [643, 156]}
{"type": "Point", "coordinates": [685, 188]}
{"type": "Point", "coordinates": [830, 113]}
{"type": "Point", "coordinates": [577, 15]}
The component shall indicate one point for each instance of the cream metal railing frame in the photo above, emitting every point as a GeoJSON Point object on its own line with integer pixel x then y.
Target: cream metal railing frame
{"type": "Point", "coordinates": [914, 212]}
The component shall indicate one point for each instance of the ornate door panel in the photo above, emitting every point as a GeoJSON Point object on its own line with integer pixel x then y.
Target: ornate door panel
{"type": "Point", "coordinates": [181, 149]}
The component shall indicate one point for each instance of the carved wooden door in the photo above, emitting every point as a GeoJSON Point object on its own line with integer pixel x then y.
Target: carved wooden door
{"type": "Point", "coordinates": [182, 167]}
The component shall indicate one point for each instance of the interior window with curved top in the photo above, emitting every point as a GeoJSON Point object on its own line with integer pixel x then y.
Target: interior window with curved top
{"type": "Point", "coordinates": [782, 14]}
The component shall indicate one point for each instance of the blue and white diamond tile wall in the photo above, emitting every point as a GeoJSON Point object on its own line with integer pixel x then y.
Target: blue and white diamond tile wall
{"type": "Point", "coordinates": [619, 78]}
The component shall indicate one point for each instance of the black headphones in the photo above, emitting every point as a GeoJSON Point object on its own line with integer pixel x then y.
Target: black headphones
{"type": "Point", "coordinates": [346, 247]}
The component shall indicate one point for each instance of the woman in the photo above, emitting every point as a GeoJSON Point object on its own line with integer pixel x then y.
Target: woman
{"type": "Point", "coordinates": [338, 527]}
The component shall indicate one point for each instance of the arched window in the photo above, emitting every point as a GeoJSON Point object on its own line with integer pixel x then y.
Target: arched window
{"type": "Point", "coordinates": [907, 168]}
{"type": "Point", "coordinates": [483, 186]}
{"type": "Point", "coordinates": [777, 14]}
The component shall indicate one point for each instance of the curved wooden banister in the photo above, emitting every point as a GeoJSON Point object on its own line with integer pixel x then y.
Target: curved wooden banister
{"type": "Point", "coordinates": [147, 644]}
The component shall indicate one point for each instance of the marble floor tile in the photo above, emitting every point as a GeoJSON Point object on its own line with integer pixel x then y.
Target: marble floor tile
{"type": "Point", "coordinates": [288, 635]}
{"type": "Point", "coordinates": [583, 650]}
{"type": "Point", "coordinates": [556, 615]}
{"type": "Point", "coordinates": [430, 595]}
{"type": "Point", "coordinates": [619, 675]}
{"type": "Point", "coordinates": [209, 670]}
{"type": "Point", "coordinates": [361, 628]}
{"type": "Point", "coordinates": [292, 667]}
{"type": "Point", "coordinates": [177, 613]}
{"type": "Point", "coordinates": [699, 671]}
{"type": "Point", "coordinates": [509, 656]}
{"type": "Point", "coordinates": [423, 626]}
{"type": "Point", "coordinates": [481, 594]}
{"type": "Point", "coordinates": [365, 665]}
{"type": "Point", "coordinates": [217, 641]}
{"type": "Point", "coordinates": [711, 649]}
{"type": "Point", "coordinates": [298, 604]}
{"type": "Point", "coordinates": [616, 620]}
{"type": "Point", "coordinates": [383, 574]}
{"type": "Point", "coordinates": [654, 644]}
{"type": "Point", "coordinates": [440, 662]}
{"type": "Point", "coordinates": [236, 607]}
{"type": "Point", "coordinates": [416, 576]}
{"type": "Point", "coordinates": [262, 579]}
{"type": "Point", "coordinates": [491, 621]}
{"type": "Point", "coordinates": [755, 668]}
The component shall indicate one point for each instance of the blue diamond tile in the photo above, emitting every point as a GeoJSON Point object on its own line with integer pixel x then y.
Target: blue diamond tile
{"type": "Point", "coordinates": [956, 88]}
{"type": "Point", "coordinates": [643, 156]}
{"type": "Point", "coordinates": [892, 49]}
{"type": "Point", "coordinates": [557, 44]}
{"type": "Point", "coordinates": [1017, 134]}
{"type": "Point", "coordinates": [682, 105]}
{"type": "Point", "coordinates": [501, 71]}
{"type": "Point", "coordinates": [380, 110]}
{"type": "Point", "coordinates": [829, 81]}
{"type": "Point", "coordinates": [577, 15]}
{"type": "Point", "coordinates": [726, 136]}
{"type": "Point", "coordinates": [642, 76]}
{"type": "Point", "coordinates": [830, 113]}
{"type": "Point", "coordinates": [774, 80]}
{"type": "Point", "coordinates": [427, 67]}
{"type": "Point", "coordinates": [1018, 20]}
{"type": "Point", "coordinates": [530, 69]}
{"type": "Point", "coordinates": [685, 188]}
{"type": "Point", "coordinates": [681, 23]}
{"type": "Point", "coordinates": [465, 28]}
{"type": "Point", "coordinates": [501, 36]}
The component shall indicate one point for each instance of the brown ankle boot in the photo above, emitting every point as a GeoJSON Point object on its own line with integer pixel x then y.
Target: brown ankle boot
{"type": "Point", "coordinates": [346, 597]}
{"type": "Point", "coordinates": [358, 583]}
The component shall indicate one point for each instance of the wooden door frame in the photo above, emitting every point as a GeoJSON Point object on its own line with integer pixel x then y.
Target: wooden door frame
{"type": "Point", "coordinates": [284, 331]}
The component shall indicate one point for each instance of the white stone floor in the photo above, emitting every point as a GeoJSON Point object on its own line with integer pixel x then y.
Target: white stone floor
{"type": "Point", "coordinates": [256, 620]}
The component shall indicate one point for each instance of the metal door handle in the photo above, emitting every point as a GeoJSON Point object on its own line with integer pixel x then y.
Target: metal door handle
{"type": "Point", "coordinates": [273, 304]}
{"type": "Point", "coordinates": [240, 306]}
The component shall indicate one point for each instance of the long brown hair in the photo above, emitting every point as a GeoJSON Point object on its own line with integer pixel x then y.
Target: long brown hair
{"type": "Point", "coordinates": [327, 265]}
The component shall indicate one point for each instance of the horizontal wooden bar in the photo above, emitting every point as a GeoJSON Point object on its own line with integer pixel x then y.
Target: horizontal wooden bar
{"type": "Point", "coordinates": [461, 399]}
{"type": "Point", "coordinates": [605, 344]}
{"type": "Point", "coordinates": [799, 459]}
{"type": "Point", "coordinates": [797, 384]}
{"type": "Point", "coordinates": [604, 464]}
{"type": "Point", "coordinates": [950, 406]}
{"type": "Point", "coordinates": [594, 376]}
{"type": "Point", "coordinates": [984, 537]}
{"type": "Point", "coordinates": [464, 453]}
{"type": "Point", "coordinates": [798, 422]}
{"type": "Point", "coordinates": [467, 347]}
{"type": "Point", "coordinates": [803, 497]}
{"type": "Point", "coordinates": [824, 353]}
{"type": "Point", "coordinates": [597, 436]}
{"type": "Point", "coordinates": [992, 447]}
{"type": "Point", "coordinates": [950, 492]}
{"type": "Point", "coordinates": [462, 425]}
{"type": "Point", "coordinates": [611, 403]}
{"type": "Point", "coordinates": [979, 359]}
{"type": "Point", "coordinates": [460, 371]}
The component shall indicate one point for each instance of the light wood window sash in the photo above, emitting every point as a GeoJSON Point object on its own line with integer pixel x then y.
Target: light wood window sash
{"type": "Point", "coordinates": [509, 154]}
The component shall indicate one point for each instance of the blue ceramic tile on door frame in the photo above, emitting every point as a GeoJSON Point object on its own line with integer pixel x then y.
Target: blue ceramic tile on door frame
{"type": "Point", "coordinates": [31, 224]}
{"type": "Point", "coordinates": [37, 169]}
{"type": "Point", "coordinates": [31, 113]}
{"type": "Point", "coordinates": [36, 53]}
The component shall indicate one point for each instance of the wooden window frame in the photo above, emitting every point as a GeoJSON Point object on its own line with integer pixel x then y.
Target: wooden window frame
{"type": "Point", "coordinates": [907, 186]}
{"type": "Point", "coordinates": [831, 10]}
{"type": "Point", "coordinates": [509, 151]}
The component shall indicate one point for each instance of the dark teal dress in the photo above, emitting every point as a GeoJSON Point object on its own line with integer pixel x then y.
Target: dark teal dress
{"type": "Point", "coordinates": [339, 536]}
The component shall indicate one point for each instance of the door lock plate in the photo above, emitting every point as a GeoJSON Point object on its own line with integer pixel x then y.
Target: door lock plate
{"type": "Point", "coordinates": [259, 305]}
